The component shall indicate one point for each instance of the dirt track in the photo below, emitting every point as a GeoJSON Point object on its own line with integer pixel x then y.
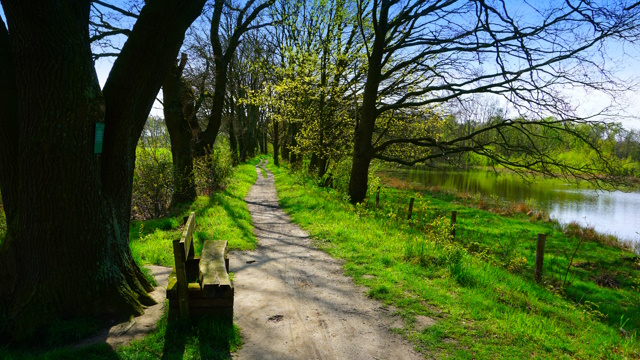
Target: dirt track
{"type": "Point", "coordinates": [292, 301]}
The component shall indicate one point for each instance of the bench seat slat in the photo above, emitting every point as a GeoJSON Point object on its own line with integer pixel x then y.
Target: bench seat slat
{"type": "Point", "coordinates": [213, 272]}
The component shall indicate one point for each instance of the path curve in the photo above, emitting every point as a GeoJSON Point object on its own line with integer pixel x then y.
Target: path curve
{"type": "Point", "coordinates": [292, 300]}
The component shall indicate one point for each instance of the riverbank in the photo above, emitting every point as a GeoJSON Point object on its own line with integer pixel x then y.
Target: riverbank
{"type": "Point", "coordinates": [614, 213]}
{"type": "Point", "coordinates": [474, 295]}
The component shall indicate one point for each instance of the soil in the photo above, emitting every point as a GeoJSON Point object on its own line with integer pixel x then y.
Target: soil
{"type": "Point", "coordinates": [292, 300]}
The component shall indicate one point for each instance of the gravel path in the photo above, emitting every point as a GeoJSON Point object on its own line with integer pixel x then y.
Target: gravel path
{"type": "Point", "coordinates": [292, 300]}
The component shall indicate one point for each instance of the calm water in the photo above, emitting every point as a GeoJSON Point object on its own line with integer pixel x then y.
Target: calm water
{"type": "Point", "coordinates": [614, 212]}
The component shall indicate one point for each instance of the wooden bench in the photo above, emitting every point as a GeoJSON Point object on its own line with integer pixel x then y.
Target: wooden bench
{"type": "Point", "coordinates": [199, 286]}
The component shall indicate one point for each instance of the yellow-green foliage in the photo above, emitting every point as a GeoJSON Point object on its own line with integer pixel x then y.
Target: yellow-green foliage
{"type": "Point", "coordinates": [212, 170]}
{"type": "Point", "coordinates": [152, 183]}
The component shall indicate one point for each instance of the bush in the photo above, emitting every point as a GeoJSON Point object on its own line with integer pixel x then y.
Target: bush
{"type": "Point", "coordinates": [152, 183]}
{"type": "Point", "coordinates": [212, 171]}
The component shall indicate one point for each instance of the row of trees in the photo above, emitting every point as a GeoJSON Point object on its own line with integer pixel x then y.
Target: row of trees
{"type": "Point", "coordinates": [327, 79]}
{"type": "Point", "coordinates": [608, 148]}
{"type": "Point", "coordinates": [381, 79]}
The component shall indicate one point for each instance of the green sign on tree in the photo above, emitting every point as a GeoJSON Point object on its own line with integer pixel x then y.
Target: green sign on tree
{"type": "Point", "coordinates": [99, 137]}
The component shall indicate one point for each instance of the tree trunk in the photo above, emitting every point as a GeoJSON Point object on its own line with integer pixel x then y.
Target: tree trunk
{"type": "Point", "coordinates": [276, 135]}
{"type": "Point", "coordinates": [265, 142]}
{"type": "Point", "coordinates": [243, 151]}
{"type": "Point", "coordinates": [184, 185]}
{"type": "Point", "coordinates": [363, 149]}
{"type": "Point", "coordinates": [67, 253]}
{"type": "Point", "coordinates": [233, 143]}
{"type": "Point", "coordinates": [250, 139]}
{"type": "Point", "coordinates": [261, 142]}
{"type": "Point", "coordinates": [313, 163]}
{"type": "Point", "coordinates": [322, 166]}
{"type": "Point", "coordinates": [296, 159]}
{"type": "Point", "coordinates": [208, 137]}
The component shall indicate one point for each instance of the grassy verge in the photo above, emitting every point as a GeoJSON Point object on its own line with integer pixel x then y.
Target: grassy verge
{"type": "Point", "coordinates": [222, 215]}
{"type": "Point", "coordinates": [474, 296]}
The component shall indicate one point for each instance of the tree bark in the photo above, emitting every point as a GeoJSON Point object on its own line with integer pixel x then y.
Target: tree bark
{"type": "Point", "coordinates": [363, 136]}
{"type": "Point", "coordinates": [322, 166]}
{"type": "Point", "coordinates": [173, 93]}
{"type": "Point", "coordinates": [265, 142]}
{"type": "Point", "coordinates": [233, 143]}
{"type": "Point", "coordinates": [67, 253]}
{"type": "Point", "coordinates": [276, 135]}
{"type": "Point", "coordinates": [313, 163]}
{"type": "Point", "coordinates": [209, 135]}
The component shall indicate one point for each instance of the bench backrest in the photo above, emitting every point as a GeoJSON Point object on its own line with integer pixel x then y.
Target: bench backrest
{"type": "Point", "coordinates": [185, 243]}
{"type": "Point", "coordinates": [182, 251]}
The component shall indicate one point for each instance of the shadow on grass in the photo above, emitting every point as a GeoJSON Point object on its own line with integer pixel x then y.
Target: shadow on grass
{"type": "Point", "coordinates": [205, 338]}
{"type": "Point", "coordinates": [94, 352]}
{"type": "Point", "coordinates": [209, 337]}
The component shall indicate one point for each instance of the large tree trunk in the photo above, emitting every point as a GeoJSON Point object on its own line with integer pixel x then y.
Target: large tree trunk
{"type": "Point", "coordinates": [362, 148]}
{"type": "Point", "coordinates": [67, 253]}
{"type": "Point", "coordinates": [184, 185]}
{"type": "Point", "coordinates": [209, 135]}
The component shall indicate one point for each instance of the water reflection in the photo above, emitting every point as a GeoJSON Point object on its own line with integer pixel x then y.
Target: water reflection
{"type": "Point", "coordinates": [614, 212]}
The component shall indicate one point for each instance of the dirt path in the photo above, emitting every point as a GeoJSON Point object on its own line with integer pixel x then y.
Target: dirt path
{"type": "Point", "coordinates": [292, 301]}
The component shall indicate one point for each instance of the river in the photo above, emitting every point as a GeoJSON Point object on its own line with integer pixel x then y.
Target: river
{"type": "Point", "coordinates": [611, 212]}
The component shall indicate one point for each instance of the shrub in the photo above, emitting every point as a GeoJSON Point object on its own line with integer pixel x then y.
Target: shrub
{"type": "Point", "coordinates": [212, 171]}
{"type": "Point", "coordinates": [152, 183]}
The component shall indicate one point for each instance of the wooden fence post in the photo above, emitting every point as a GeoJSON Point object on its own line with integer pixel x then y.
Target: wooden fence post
{"type": "Point", "coordinates": [378, 197]}
{"type": "Point", "coordinates": [542, 238]}
{"type": "Point", "coordinates": [454, 218]}
{"type": "Point", "coordinates": [410, 208]}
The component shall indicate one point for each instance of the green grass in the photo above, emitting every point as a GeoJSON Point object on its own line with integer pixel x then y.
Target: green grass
{"type": "Point", "coordinates": [478, 287]}
{"type": "Point", "coordinates": [223, 215]}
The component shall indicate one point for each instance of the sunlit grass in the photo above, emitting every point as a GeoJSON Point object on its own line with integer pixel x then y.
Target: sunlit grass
{"type": "Point", "coordinates": [221, 216]}
{"type": "Point", "coordinates": [478, 288]}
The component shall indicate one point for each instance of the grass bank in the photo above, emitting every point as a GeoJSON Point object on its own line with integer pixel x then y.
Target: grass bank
{"type": "Point", "coordinates": [223, 215]}
{"type": "Point", "coordinates": [473, 296]}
